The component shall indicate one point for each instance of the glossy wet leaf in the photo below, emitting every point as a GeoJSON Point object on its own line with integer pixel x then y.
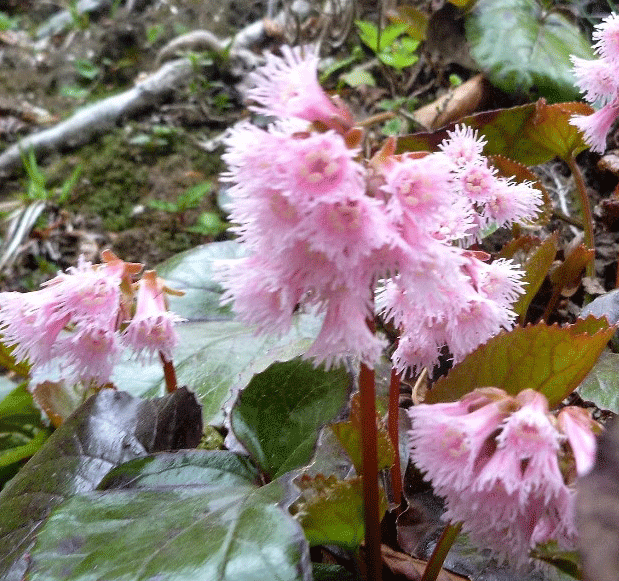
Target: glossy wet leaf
{"type": "Point", "coordinates": [277, 417]}
{"type": "Point", "coordinates": [529, 134]}
{"type": "Point", "coordinates": [525, 48]}
{"type": "Point", "coordinates": [331, 511]}
{"type": "Point", "coordinates": [348, 434]}
{"type": "Point", "coordinates": [108, 429]}
{"type": "Point", "coordinates": [601, 386]}
{"type": "Point", "coordinates": [606, 305]}
{"type": "Point", "coordinates": [535, 270]}
{"type": "Point", "coordinates": [188, 516]}
{"type": "Point", "coordinates": [553, 360]}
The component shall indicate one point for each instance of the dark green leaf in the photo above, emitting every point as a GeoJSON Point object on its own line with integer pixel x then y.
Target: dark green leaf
{"type": "Point", "coordinates": [108, 429]}
{"type": "Point", "coordinates": [524, 48]}
{"type": "Point", "coordinates": [278, 415]}
{"type": "Point", "coordinates": [184, 517]}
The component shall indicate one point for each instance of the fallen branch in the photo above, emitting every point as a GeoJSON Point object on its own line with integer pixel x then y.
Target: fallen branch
{"type": "Point", "coordinates": [98, 118]}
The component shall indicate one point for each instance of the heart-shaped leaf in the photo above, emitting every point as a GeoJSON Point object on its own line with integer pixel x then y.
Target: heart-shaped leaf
{"type": "Point", "coordinates": [187, 516]}
{"type": "Point", "coordinates": [278, 415]}
{"type": "Point", "coordinates": [108, 429]}
{"type": "Point", "coordinates": [552, 360]}
{"type": "Point", "coordinates": [525, 48]}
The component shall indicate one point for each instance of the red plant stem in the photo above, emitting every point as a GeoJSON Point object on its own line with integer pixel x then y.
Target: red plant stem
{"type": "Point", "coordinates": [169, 373]}
{"type": "Point", "coordinates": [370, 474]}
{"type": "Point", "coordinates": [393, 427]}
{"type": "Point", "coordinates": [435, 564]}
{"type": "Point", "coordinates": [585, 206]}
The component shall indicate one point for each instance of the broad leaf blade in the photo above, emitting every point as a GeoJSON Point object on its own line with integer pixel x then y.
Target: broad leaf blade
{"type": "Point", "coordinates": [213, 522]}
{"type": "Point", "coordinates": [529, 134]}
{"type": "Point", "coordinates": [524, 48]}
{"type": "Point", "coordinates": [552, 360]}
{"type": "Point", "coordinates": [108, 429]}
{"type": "Point", "coordinates": [278, 415]}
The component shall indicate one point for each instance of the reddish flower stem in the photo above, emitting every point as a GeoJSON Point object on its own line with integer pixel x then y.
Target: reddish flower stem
{"type": "Point", "coordinates": [393, 427]}
{"type": "Point", "coordinates": [370, 474]}
{"type": "Point", "coordinates": [435, 564]}
{"type": "Point", "coordinates": [585, 206]}
{"type": "Point", "coordinates": [169, 374]}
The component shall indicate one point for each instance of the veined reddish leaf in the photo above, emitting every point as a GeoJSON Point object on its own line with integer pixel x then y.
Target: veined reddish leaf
{"type": "Point", "coordinates": [535, 269]}
{"type": "Point", "coordinates": [552, 360]}
{"type": "Point", "coordinates": [348, 434]}
{"type": "Point", "coordinates": [525, 244]}
{"type": "Point", "coordinates": [529, 134]}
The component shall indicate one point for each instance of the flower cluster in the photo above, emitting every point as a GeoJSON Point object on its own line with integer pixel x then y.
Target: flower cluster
{"type": "Point", "coordinates": [83, 319]}
{"type": "Point", "coordinates": [505, 466]}
{"type": "Point", "coordinates": [350, 238]}
{"type": "Point", "coordinates": [599, 81]}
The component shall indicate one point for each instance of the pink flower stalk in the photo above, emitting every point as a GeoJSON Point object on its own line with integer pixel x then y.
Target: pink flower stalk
{"type": "Point", "coordinates": [505, 466]}
{"type": "Point", "coordinates": [287, 86]}
{"type": "Point", "coordinates": [327, 232]}
{"type": "Point", "coordinates": [76, 319]}
{"type": "Point", "coordinates": [598, 80]}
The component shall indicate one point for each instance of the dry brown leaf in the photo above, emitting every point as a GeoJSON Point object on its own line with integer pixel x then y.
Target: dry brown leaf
{"type": "Point", "coordinates": [457, 103]}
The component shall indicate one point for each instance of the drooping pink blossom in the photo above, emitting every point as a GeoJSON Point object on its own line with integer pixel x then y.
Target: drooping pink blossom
{"type": "Point", "coordinates": [151, 329]}
{"type": "Point", "coordinates": [597, 125]}
{"type": "Point", "coordinates": [287, 86]}
{"type": "Point", "coordinates": [502, 466]}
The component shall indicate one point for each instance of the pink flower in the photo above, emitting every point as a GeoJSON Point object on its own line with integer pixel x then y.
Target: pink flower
{"type": "Point", "coordinates": [597, 125]}
{"type": "Point", "coordinates": [606, 35]}
{"type": "Point", "coordinates": [597, 79]}
{"type": "Point", "coordinates": [580, 429]}
{"type": "Point", "coordinates": [501, 464]}
{"type": "Point", "coordinates": [151, 329]}
{"type": "Point", "coordinates": [463, 146]}
{"type": "Point", "coordinates": [89, 355]}
{"type": "Point", "coordinates": [287, 86]}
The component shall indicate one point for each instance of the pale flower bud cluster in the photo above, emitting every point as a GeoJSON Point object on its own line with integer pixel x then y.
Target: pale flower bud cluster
{"type": "Point", "coordinates": [599, 81]}
{"type": "Point", "coordinates": [83, 319]}
{"type": "Point", "coordinates": [328, 231]}
{"type": "Point", "coordinates": [505, 466]}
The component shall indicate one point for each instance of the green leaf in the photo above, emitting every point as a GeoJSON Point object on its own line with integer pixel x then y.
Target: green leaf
{"type": "Point", "coordinates": [349, 436]}
{"type": "Point", "coordinates": [524, 48]}
{"type": "Point", "coordinates": [529, 134]}
{"type": "Point", "coordinates": [358, 77]}
{"type": "Point", "coordinates": [331, 511]}
{"type": "Point", "coordinates": [368, 34]}
{"type": "Point", "coordinates": [535, 270]}
{"type": "Point", "coordinates": [601, 386]}
{"type": "Point", "coordinates": [278, 415]}
{"type": "Point", "coordinates": [22, 431]}
{"type": "Point", "coordinates": [552, 360]}
{"type": "Point", "coordinates": [109, 429]}
{"type": "Point", "coordinates": [192, 273]}
{"type": "Point", "coordinates": [187, 517]}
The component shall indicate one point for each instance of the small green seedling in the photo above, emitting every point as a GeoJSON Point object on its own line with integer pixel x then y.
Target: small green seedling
{"type": "Point", "coordinates": [392, 45]}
